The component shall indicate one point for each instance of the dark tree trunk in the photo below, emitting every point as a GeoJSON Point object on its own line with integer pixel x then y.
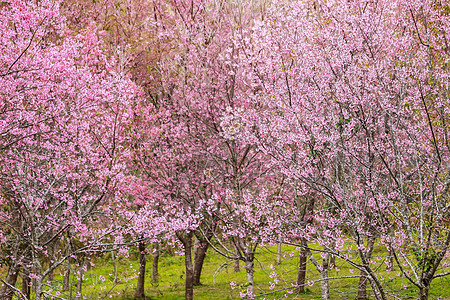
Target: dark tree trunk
{"type": "Point", "coordinates": [423, 292]}
{"type": "Point", "coordinates": [362, 286]}
{"type": "Point", "coordinates": [307, 218]}
{"type": "Point", "coordinates": [237, 269]}
{"type": "Point", "coordinates": [187, 243]}
{"type": "Point", "coordinates": [79, 295]}
{"type": "Point", "coordinates": [51, 277]}
{"type": "Point", "coordinates": [301, 278]}
{"type": "Point", "coordinates": [155, 274]}
{"type": "Point", "coordinates": [26, 290]}
{"type": "Point", "coordinates": [52, 251]}
{"type": "Point", "coordinates": [66, 279]}
{"type": "Point", "coordinates": [6, 293]}
{"type": "Point", "coordinates": [26, 280]}
{"type": "Point", "coordinates": [140, 289]}
{"type": "Point", "coordinates": [199, 258]}
{"type": "Point", "coordinates": [113, 258]}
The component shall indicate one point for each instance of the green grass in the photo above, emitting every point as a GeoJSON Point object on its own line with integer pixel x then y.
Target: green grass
{"type": "Point", "coordinates": [216, 284]}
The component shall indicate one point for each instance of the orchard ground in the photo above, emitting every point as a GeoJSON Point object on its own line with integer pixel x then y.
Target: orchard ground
{"type": "Point", "coordinates": [218, 274]}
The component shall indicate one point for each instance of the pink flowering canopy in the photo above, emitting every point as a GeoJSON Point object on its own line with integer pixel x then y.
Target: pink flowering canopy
{"type": "Point", "coordinates": [64, 116]}
{"type": "Point", "coordinates": [354, 106]}
{"type": "Point", "coordinates": [309, 122]}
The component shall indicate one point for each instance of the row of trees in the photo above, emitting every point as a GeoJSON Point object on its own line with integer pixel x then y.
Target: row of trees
{"type": "Point", "coordinates": [232, 124]}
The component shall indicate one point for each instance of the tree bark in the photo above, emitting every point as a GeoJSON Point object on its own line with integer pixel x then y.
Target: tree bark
{"type": "Point", "coordinates": [155, 274]}
{"type": "Point", "coordinates": [362, 286]}
{"type": "Point", "coordinates": [391, 258]}
{"type": "Point", "coordinates": [249, 271]}
{"type": "Point", "coordinates": [423, 292]}
{"type": "Point", "coordinates": [140, 288]}
{"type": "Point", "coordinates": [78, 295]}
{"type": "Point", "coordinates": [38, 287]}
{"type": "Point", "coordinates": [6, 293]}
{"type": "Point", "coordinates": [307, 218]}
{"type": "Point", "coordinates": [66, 279]}
{"type": "Point", "coordinates": [52, 251]}
{"type": "Point", "coordinates": [301, 278]}
{"type": "Point", "coordinates": [187, 243]}
{"type": "Point", "coordinates": [113, 258]}
{"type": "Point", "coordinates": [237, 269]}
{"type": "Point", "coordinates": [26, 290]}
{"type": "Point", "coordinates": [50, 277]}
{"type": "Point", "coordinates": [199, 258]}
{"type": "Point", "coordinates": [324, 282]}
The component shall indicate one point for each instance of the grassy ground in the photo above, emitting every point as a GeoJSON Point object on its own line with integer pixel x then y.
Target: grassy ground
{"type": "Point", "coordinates": [216, 283]}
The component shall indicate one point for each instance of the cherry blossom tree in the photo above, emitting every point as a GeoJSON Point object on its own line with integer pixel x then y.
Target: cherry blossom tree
{"type": "Point", "coordinates": [185, 157]}
{"type": "Point", "coordinates": [64, 116]}
{"type": "Point", "coordinates": [310, 122]}
{"type": "Point", "coordinates": [353, 107]}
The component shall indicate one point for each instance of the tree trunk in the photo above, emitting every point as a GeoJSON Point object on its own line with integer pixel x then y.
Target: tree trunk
{"type": "Point", "coordinates": [423, 292]}
{"type": "Point", "coordinates": [51, 257]}
{"type": "Point", "coordinates": [249, 271]}
{"type": "Point", "coordinates": [332, 263]}
{"type": "Point", "coordinates": [38, 287]}
{"type": "Point", "coordinates": [113, 258]}
{"type": "Point", "coordinates": [140, 289]}
{"type": "Point", "coordinates": [301, 278]}
{"type": "Point", "coordinates": [187, 243]}
{"type": "Point", "coordinates": [278, 262]}
{"type": "Point", "coordinates": [307, 218]}
{"type": "Point", "coordinates": [155, 274]}
{"type": "Point", "coordinates": [66, 279]}
{"type": "Point", "coordinates": [237, 269]}
{"type": "Point", "coordinates": [199, 258]}
{"type": "Point", "coordinates": [26, 290]}
{"type": "Point", "coordinates": [324, 282]}
{"type": "Point", "coordinates": [362, 286]}
{"type": "Point", "coordinates": [50, 277]}
{"type": "Point", "coordinates": [78, 295]}
{"type": "Point", "coordinates": [6, 293]}
{"type": "Point", "coordinates": [391, 258]}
